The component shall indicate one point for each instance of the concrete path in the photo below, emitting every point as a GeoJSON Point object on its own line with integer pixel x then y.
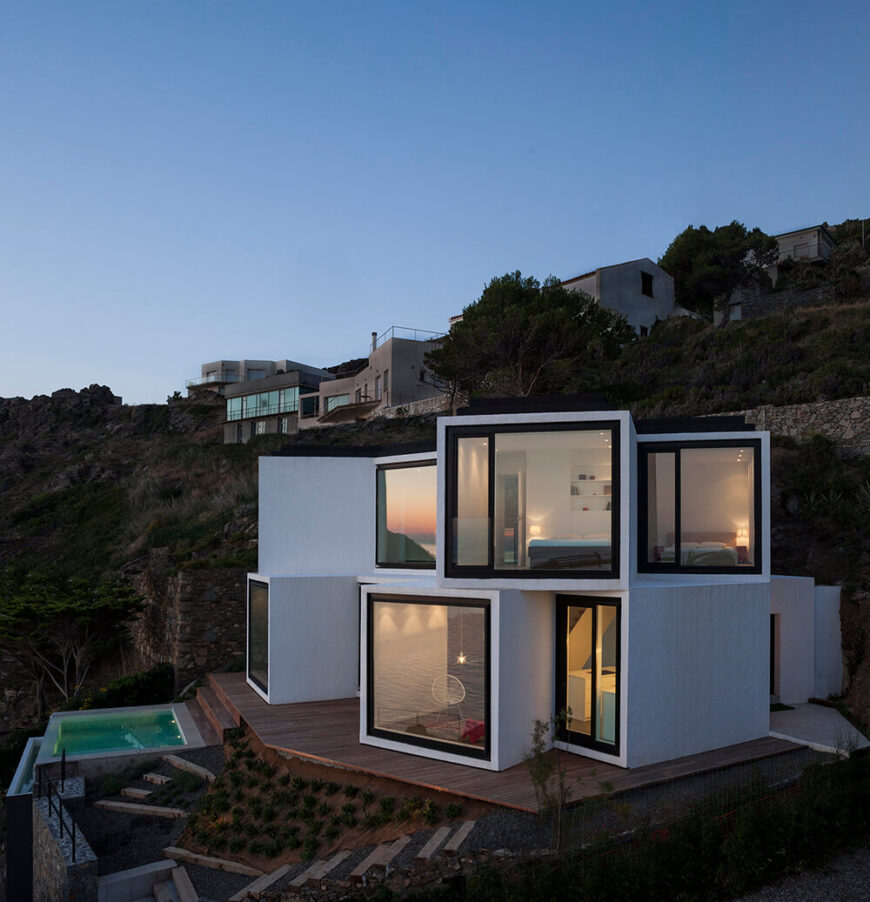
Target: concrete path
{"type": "Point", "coordinates": [817, 726]}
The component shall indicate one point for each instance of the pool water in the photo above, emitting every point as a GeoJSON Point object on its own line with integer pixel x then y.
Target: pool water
{"type": "Point", "coordinates": [124, 731]}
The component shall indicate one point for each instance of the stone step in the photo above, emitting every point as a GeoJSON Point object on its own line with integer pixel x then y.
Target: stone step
{"type": "Point", "coordinates": [156, 779]}
{"type": "Point", "coordinates": [379, 858]}
{"type": "Point", "coordinates": [215, 711]}
{"type": "Point", "coordinates": [162, 892]}
{"type": "Point", "coordinates": [190, 767]}
{"type": "Point", "coordinates": [225, 700]}
{"type": "Point", "coordinates": [131, 792]}
{"type": "Point", "coordinates": [260, 885]}
{"type": "Point", "coordinates": [136, 808]}
{"type": "Point", "coordinates": [209, 861]}
{"type": "Point", "coordinates": [320, 869]}
{"type": "Point", "coordinates": [183, 885]}
{"type": "Point", "coordinates": [434, 843]}
{"type": "Point", "coordinates": [459, 838]}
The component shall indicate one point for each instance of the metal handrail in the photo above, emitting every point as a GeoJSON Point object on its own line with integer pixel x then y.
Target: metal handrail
{"type": "Point", "coordinates": [56, 805]}
{"type": "Point", "coordinates": [211, 378]}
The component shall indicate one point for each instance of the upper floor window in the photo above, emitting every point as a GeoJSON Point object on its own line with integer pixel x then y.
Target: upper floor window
{"type": "Point", "coordinates": [337, 401]}
{"type": "Point", "coordinates": [406, 502]}
{"type": "Point", "coordinates": [700, 506]}
{"type": "Point", "coordinates": [540, 501]}
{"type": "Point", "coordinates": [646, 284]}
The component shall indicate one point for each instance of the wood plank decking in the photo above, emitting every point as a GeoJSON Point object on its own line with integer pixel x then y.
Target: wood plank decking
{"type": "Point", "coordinates": [329, 732]}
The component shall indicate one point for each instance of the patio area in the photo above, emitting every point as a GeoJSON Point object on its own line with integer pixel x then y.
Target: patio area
{"type": "Point", "coordinates": [328, 732]}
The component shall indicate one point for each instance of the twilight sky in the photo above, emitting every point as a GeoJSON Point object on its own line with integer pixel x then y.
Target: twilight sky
{"type": "Point", "coordinates": [188, 181]}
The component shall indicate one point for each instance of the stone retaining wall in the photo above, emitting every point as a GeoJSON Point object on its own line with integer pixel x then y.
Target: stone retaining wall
{"type": "Point", "coordinates": [846, 421]}
{"type": "Point", "coordinates": [56, 877]}
{"type": "Point", "coordinates": [438, 404]}
{"type": "Point", "coordinates": [193, 618]}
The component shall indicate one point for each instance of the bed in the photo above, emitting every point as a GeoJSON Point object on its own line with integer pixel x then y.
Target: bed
{"type": "Point", "coordinates": [708, 549]}
{"type": "Point", "coordinates": [588, 552]}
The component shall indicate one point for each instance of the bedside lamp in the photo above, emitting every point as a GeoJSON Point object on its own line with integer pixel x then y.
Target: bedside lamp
{"type": "Point", "coordinates": [534, 530]}
{"type": "Point", "coordinates": [741, 543]}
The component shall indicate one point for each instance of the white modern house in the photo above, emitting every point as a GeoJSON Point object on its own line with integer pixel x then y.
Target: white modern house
{"type": "Point", "coordinates": [534, 562]}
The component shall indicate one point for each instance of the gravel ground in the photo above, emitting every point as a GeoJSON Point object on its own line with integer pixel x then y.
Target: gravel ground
{"type": "Point", "coordinates": [845, 878]}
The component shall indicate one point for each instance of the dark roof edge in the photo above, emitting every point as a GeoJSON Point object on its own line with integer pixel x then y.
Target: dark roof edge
{"type": "Point", "coordinates": [693, 424]}
{"type": "Point", "coordinates": [536, 404]}
{"type": "Point", "coordinates": [356, 450]}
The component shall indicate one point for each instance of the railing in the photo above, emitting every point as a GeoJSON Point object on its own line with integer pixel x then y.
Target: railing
{"type": "Point", "coordinates": [808, 251]}
{"type": "Point", "coordinates": [404, 332]}
{"type": "Point", "coordinates": [263, 410]}
{"type": "Point", "coordinates": [56, 804]}
{"type": "Point", "coordinates": [211, 379]}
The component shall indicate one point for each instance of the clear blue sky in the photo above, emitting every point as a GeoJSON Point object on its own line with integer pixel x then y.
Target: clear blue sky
{"type": "Point", "coordinates": [188, 181]}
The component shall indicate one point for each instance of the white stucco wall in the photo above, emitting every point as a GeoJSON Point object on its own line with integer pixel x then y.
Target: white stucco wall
{"type": "Point", "coordinates": [313, 638]}
{"type": "Point", "coordinates": [828, 671]}
{"type": "Point", "coordinates": [793, 599]}
{"type": "Point", "coordinates": [620, 290]}
{"type": "Point", "coordinates": [697, 669]}
{"type": "Point", "coordinates": [526, 641]}
{"type": "Point", "coordinates": [317, 515]}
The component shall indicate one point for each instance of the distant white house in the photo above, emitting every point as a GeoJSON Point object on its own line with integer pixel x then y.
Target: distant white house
{"type": "Point", "coordinates": [810, 245]}
{"type": "Point", "coordinates": [639, 289]}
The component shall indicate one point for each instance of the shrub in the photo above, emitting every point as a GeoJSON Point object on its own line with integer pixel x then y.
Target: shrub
{"type": "Point", "coordinates": [151, 687]}
{"type": "Point", "coordinates": [453, 810]}
{"type": "Point", "coordinates": [316, 785]}
{"type": "Point", "coordinates": [298, 784]}
{"type": "Point", "coordinates": [111, 785]}
{"type": "Point", "coordinates": [186, 781]}
{"type": "Point", "coordinates": [332, 788]}
{"type": "Point", "coordinates": [351, 791]}
{"type": "Point", "coordinates": [236, 843]}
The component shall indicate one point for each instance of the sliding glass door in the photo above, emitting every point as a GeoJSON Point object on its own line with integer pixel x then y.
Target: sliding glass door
{"type": "Point", "coordinates": [258, 634]}
{"type": "Point", "coordinates": [587, 677]}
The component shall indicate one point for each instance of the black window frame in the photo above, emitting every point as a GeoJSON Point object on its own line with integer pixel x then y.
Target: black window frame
{"type": "Point", "coordinates": [483, 754]}
{"type": "Point", "coordinates": [404, 465]}
{"type": "Point", "coordinates": [478, 571]}
{"type": "Point", "coordinates": [248, 674]}
{"type": "Point", "coordinates": [563, 734]}
{"type": "Point", "coordinates": [644, 449]}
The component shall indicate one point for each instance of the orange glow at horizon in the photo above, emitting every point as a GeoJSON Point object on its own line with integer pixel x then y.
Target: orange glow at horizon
{"type": "Point", "coordinates": [411, 500]}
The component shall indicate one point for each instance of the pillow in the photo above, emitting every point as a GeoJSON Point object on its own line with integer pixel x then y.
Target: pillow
{"type": "Point", "coordinates": [713, 545]}
{"type": "Point", "coordinates": [690, 545]}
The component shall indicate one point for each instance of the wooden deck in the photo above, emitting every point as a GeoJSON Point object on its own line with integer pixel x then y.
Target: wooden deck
{"type": "Point", "coordinates": [329, 732]}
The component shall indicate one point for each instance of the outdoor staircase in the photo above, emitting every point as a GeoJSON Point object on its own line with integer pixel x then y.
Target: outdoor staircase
{"type": "Point", "coordinates": [217, 709]}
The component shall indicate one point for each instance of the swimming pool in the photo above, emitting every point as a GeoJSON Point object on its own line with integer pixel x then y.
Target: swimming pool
{"type": "Point", "coordinates": [115, 731]}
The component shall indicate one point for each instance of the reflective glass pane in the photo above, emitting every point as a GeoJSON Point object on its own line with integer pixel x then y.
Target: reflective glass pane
{"type": "Point", "coordinates": [605, 673]}
{"type": "Point", "coordinates": [406, 515]}
{"type": "Point", "coordinates": [429, 664]}
{"type": "Point", "coordinates": [258, 634]}
{"type": "Point", "coordinates": [580, 664]}
{"type": "Point", "coordinates": [717, 506]}
{"type": "Point", "coordinates": [661, 507]}
{"type": "Point", "coordinates": [471, 525]}
{"type": "Point", "coordinates": [554, 500]}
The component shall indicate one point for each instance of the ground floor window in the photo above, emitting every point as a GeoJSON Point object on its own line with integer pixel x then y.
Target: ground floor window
{"type": "Point", "coordinates": [587, 670]}
{"type": "Point", "coordinates": [428, 672]}
{"type": "Point", "coordinates": [258, 634]}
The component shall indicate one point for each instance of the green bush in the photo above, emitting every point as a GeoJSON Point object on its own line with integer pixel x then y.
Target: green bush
{"type": "Point", "coordinates": [111, 785]}
{"type": "Point", "coordinates": [151, 687]}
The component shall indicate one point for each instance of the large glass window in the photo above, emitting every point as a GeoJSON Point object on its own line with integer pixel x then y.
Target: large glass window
{"type": "Point", "coordinates": [406, 515]}
{"type": "Point", "coordinates": [234, 408]}
{"type": "Point", "coordinates": [428, 673]}
{"type": "Point", "coordinates": [588, 670]}
{"type": "Point", "coordinates": [702, 506]}
{"type": "Point", "coordinates": [258, 634]}
{"type": "Point", "coordinates": [534, 502]}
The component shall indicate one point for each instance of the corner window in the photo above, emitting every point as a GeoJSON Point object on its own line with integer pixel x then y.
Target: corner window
{"type": "Point", "coordinates": [406, 502]}
{"type": "Point", "coordinates": [234, 409]}
{"type": "Point", "coordinates": [533, 502]}
{"type": "Point", "coordinates": [337, 401]}
{"type": "Point", "coordinates": [258, 634]}
{"type": "Point", "coordinates": [428, 673]}
{"type": "Point", "coordinates": [701, 507]}
{"type": "Point", "coordinates": [646, 284]}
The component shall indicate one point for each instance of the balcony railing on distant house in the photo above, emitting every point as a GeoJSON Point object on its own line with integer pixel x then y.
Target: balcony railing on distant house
{"type": "Point", "coordinates": [210, 379]}
{"type": "Point", "coordinates": [812, 250]}
{"type": "Point", "coordinates": [403, 332]}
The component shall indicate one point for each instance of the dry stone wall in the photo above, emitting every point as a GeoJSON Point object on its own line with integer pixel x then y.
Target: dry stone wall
{"type": "Point", "coordinates": [846, 421]}
{"type": "Point", "coordinates": [193, 618]}
{"type": "Point", "coordinates": [56, 877]}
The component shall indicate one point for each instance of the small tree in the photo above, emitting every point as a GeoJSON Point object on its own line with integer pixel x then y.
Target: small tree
{"type": "Point", "coordinates": [548, 770]}
{"type": "Point", "coordinates": [53, 628]}
{"type": "Point", "coordinates": [707, 265]}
